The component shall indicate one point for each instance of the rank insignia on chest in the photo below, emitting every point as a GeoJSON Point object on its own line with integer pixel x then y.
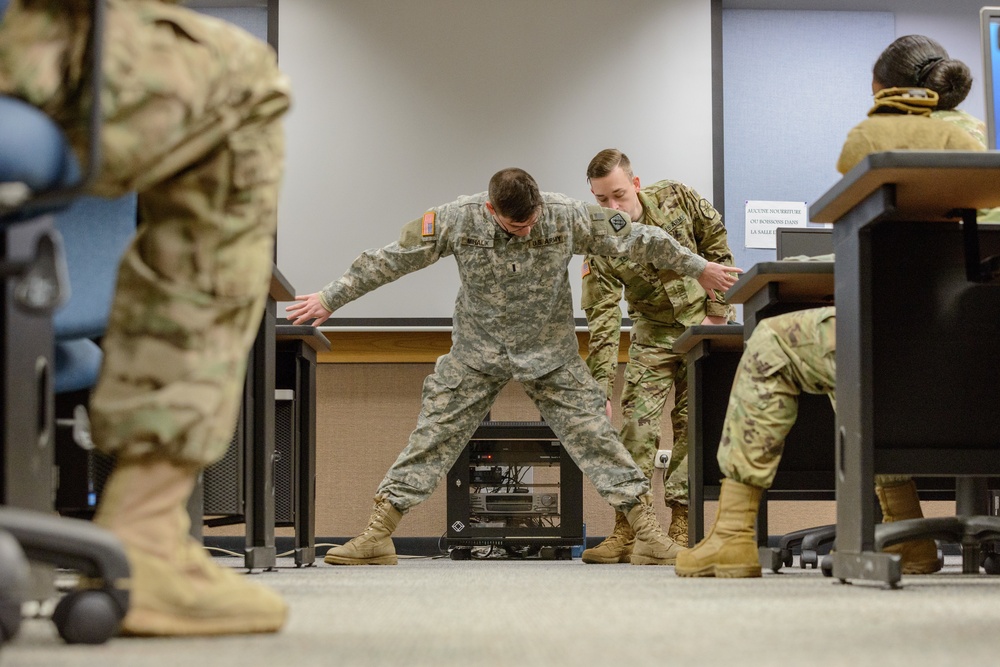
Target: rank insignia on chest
{"type": "Point", "coordinates": [617, 222]}
{"type": "Point", "coordinates": [585, 269]}
{"type": "Point", "coordinates": [427, 224]}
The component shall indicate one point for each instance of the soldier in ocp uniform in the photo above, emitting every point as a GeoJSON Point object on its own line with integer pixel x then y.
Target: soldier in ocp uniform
{"type": "Point", "coordinates": [513, 321]}
{"type": "Point", "coordinates": [190, 110]}
{"type": "Point", "coordinates": [796, 352]}
{"type": "Point", "coordinates": [662, 303]}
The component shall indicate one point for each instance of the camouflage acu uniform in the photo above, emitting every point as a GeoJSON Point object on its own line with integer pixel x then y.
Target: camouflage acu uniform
{"type": "Point", "coordinates": [513, 321]}
{"type": "Point", "coordinates": [190, 109]}
{"type": "Point", "coordinates": [785, 356]}
{"type": "Point", "coordinates": [661, 304]}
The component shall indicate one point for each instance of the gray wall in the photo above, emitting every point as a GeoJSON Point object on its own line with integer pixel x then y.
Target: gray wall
{"type": "Point", "coordinates": [405, 105]}
{"type": "Point", "coordinates": [401, 106]}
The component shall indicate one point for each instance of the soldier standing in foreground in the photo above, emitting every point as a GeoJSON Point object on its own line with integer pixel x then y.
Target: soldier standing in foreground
{"type": "Point", "coordinates": [190, 121]}
{"type": "Point", "coordinates": [513, 321]}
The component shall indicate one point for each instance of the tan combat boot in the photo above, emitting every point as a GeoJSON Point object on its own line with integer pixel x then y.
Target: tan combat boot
{"type": "Point", "coordinates": [899, 502]}
{"type": "Point", "coordinates": [616, 547]}
{"type": "Point", "coordinates": [730, 550]}
{"type": "Point", "coordinates": [678, 528]}
{"type": "Point", "coordinates": [652, 546]}
{"type": "Point", "coordinates": [374, 546]}
{"type": "Point", "coordinates": [175, 587]}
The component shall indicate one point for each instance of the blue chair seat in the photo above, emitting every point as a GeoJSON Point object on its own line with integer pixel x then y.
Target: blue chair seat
{"type": "Point", "coordinates": [77, 363]}
{"type": "Point", "coordinates": [33, 151]}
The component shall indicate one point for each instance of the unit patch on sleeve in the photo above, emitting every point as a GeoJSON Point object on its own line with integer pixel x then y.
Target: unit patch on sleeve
{"type": "Point", "coordinates": [707, 210]}
{"type": "Point", "coordinates": [427, 225]}
{"type": "Point", "coordinates": [617, 222]}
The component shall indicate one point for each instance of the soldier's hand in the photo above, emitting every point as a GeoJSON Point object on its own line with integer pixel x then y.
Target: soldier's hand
{"type": "Point", "coordinates": [307, 307]}
{"type": "Point", "coordinates": [718, 277]}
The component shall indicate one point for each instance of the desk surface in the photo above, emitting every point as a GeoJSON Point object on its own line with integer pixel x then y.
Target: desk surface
{"type": "Point", "coordinates": [727, 337]}
{"type": "Point", "coordinates": [928, 184]}
{"type": "Point", "coordinates": [797, 280]}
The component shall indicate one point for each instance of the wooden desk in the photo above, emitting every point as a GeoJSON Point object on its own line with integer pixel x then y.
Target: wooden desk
{"type": "Point", "coordinates": [918, 341]}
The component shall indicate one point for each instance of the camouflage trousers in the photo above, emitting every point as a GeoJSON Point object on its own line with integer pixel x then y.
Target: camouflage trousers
{"type": "Point", "coordinates": [785, 356]}
{"type": "Point", "coordinates": [650, 374]}
{"type": "Point", "coordinates": [190, 109]}
{"type": "Point", "coordinates": [455, 400]}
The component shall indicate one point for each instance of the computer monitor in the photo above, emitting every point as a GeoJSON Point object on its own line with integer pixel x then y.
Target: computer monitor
{"type": "Point", "coordinates": [809, 241]}
{"type": "Point", "coordinates": [989, 21]}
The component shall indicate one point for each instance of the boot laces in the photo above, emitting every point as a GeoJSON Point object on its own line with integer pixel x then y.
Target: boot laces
{"type": "Point", "coordinates": [377, 519]}
{"type": "Point", "coordinates": [654, 522]}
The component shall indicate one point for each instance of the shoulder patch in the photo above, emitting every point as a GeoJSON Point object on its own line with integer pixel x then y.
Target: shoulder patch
{"type": "Point", "coordinates": [427, 224]}
{"type": "Point", "coordinates": [617, 222]}
{"type": "Point", "coordinates": [596, 213]}
{"type": "Point", "coordinates": [585, 269]}
{"type": "Point", "coordinates": [707, 210]}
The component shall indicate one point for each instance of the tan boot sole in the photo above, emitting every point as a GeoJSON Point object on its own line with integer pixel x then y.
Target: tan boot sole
{"type": "Point", "coordinates": [738, 572]}
{"type": "Point", "coordinates": [598, 560]}
{"type": "Point", "coordinates": [330, 559]}
{"type": "Point", "coordinates": [647, 560]}
{"type": "Point", "coordinates": [921, 567]}
{"type": "Point", "coordinates": [708, 571]}
{"type": "Point", "coordinates": [153, 623]}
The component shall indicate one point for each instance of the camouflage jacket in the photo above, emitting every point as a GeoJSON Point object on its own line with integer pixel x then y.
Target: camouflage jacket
{"type": "Point", "coordinates": [661, 302]}
{"type": "Point", "coordinates": [514, 311]}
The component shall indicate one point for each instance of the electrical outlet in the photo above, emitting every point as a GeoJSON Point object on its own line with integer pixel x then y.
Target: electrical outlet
{"type": "Point", "coordinates": [662, 459]}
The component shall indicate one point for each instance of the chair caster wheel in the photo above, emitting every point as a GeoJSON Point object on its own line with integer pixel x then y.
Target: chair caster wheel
{"type": "Point", "coordinates": [87, 617]}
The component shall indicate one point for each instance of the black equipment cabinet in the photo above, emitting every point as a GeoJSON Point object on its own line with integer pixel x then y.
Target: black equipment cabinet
{"type": "Point", "coordinates": [491, 501]}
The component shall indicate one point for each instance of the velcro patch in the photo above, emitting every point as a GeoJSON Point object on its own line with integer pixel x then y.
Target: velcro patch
{"type": "Point", "coordinates": [427, 225]}
{"type": "Point", "coordinates": [478, 243]}
{"type": "Point", "coordinates": [585, 269]}
{"type": "Point", "coordinates": [617, 222]}
{"type": "Point", "coordinates": [707, 210]}
{"type": "Point", "coordinates": [596, 213]}
{"type": "Point", "coordinates": [549, 240]}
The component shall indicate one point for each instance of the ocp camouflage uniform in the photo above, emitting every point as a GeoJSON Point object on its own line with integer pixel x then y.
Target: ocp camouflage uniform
{"type": "Point", "coordinates": [513, 320]}
{"type": "Point", "coordinates": [190, 107]}
{"type": "Point", "coordinates": [661, 303]}
{"type": "Point", "coordinates": [785, 356]}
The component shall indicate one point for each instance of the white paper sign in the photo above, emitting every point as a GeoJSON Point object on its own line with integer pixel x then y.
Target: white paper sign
{"type": "Point", "coordinates": [763, 217]}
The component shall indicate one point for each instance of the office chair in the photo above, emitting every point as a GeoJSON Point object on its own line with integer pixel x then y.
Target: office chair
{"type": "Point", "coordinates": [39, 177]}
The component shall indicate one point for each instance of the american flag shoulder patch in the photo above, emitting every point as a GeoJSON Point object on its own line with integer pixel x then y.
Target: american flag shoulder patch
{"type": "Point", "coordinates": [585, 269]}
{"type": "Point", "coordinates": [427, 225]}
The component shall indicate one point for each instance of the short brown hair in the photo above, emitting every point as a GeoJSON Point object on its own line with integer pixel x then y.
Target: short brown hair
{"type": "Point", "coordinates": [605, 162]}
{"type": "Point", "coordinates": [514, 193]}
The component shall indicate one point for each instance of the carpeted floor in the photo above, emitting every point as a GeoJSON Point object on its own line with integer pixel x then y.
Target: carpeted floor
{"type": "Point", "coordinates": [438, 612]}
